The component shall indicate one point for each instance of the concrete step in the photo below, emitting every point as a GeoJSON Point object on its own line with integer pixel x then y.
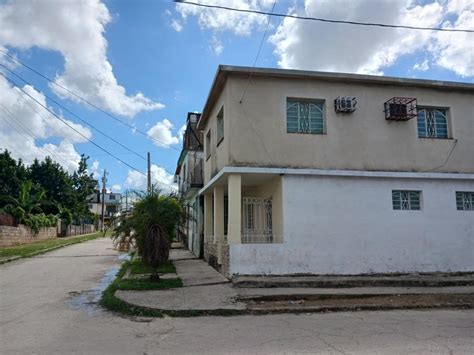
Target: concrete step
{"type": "Point", "coordinates": [405, 280]}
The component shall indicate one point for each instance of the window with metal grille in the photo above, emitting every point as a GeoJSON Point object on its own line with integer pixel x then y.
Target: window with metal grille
{"type": "Point", "coordinates": [465, 200]}
{"type": "Point", "coordinates": [406, 200]}
{"type": "Point", "coordinates": [257, 220]}
{"type": "Point", "coordinates": [208, 144]}
{"type": "Point", "coordinates": [305, 116]}
{"type": "Point", "coordinates": [220, 126]}
{"type": "Point", "coordinates": [432, 122]}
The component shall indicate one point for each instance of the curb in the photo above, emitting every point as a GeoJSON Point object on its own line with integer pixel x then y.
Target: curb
{"type": "Point", "coordinates": [13, 258]}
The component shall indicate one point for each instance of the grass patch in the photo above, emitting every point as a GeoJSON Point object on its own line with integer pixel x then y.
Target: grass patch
{"type": "Point", "coordinates": [28, 249]}
{"type": "Point", "coordinates": [145, 284]}
{"type": "Point", "coordinates": [136, 267]}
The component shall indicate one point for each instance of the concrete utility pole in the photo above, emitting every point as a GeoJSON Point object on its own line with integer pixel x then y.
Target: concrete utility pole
{"type": "Point", "coordinates": [104, 190]}
{"type": "Point", "coordinates": [149, 172]}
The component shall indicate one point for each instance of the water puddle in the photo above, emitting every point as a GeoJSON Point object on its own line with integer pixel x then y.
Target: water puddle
{"type": "Point", "coordinates": [88, 300]}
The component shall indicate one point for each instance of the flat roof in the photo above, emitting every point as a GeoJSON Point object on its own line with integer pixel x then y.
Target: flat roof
{"type": "Point", "coordinates": [224, 70]}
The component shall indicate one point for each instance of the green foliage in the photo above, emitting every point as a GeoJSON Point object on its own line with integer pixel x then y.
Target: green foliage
{"type": "Point", "coordinates": [150, 211]}
{"type": "Point", "coordinates": [45, 187]}
{"type": "Point", "coordinates": [38, 221]}
{"type": "Point", "coordinates": [137, 267]}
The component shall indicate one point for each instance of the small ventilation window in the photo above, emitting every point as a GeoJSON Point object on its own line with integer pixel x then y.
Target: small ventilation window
{"type": "Point", "coordinates": [406, 200]}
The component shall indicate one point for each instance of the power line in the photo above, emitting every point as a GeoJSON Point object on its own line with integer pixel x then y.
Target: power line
{"type": "Point", "coordinates": [87, 101]}
{"type": "Point", "coordinates": [29, 133]}
{"type": "Point", "coordinates": [258, 52]}
{"type": "Point", "coordinates": [77, 116]}
{"type": "Point", "coordinates": [71, 127]}
{"type": "Point", "coordinates": [259, 12]}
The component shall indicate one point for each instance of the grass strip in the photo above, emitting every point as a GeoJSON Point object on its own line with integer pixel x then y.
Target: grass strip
{"type": "Point", "coordinates": [136, 267]}
{"type": "Point", "coordinates": [27, 250]}
{"type": "Point", "coordinates": [146, 284]}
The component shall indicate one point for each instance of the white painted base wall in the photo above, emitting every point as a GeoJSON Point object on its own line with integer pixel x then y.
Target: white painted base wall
{"type": "Point", "coordinates": [346, 225]}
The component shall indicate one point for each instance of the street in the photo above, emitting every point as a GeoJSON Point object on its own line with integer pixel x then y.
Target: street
{"type": "Point", "coordinates": [48, 306]}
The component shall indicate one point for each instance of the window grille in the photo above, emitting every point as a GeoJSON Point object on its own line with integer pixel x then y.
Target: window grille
{"type": "Point", "coordinates": [465, 200]}
{"type": "Point", "coordinates": [257, 220]}
{"type": "Point", "coordinates": [432, 123]}
{"type": "Point", "coordinates": [220, 125]}
{"type": "Point", "coordinates": [305, 116]}
{"type": "Point", "coordinates": [406, 200]}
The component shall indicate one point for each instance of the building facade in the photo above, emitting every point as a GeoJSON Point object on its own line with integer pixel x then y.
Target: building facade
{"type": "Point", "coordinates": [189, 177]}
{"type": "Point", "coordinates": [327, 173]}
{"type": "Point", "coordinates": [112, 205]}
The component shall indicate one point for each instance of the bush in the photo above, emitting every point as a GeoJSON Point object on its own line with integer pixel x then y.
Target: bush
{"type": "Point", "coordinates": [38, 221]}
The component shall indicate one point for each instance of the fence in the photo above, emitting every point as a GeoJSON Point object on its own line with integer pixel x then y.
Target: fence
{"type": "Point", "coordinates": [257, 220]}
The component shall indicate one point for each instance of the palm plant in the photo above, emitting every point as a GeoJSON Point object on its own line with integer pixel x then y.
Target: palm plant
{"type": "Point", "coordinates": [152, 226]}
{"type": "Point", "coordinates": [28, 202]}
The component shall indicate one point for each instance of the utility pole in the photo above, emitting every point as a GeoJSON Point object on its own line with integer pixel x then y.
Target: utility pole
{"type": "Point", "coordinates": [149, 172]}
{"type": "Point", "coordinates": [104, 190]}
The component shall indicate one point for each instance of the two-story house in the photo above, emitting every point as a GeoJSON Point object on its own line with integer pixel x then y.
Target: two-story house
{"type": "Point", "coordinates": [328, 173]}
{"type": "Point", "coordinates": [189, 177]}
{"type": "Point", "coordinates": [112, 204]}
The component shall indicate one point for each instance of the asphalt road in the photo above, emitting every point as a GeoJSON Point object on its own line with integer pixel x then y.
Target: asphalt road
{"type": "Point", "coordinates": [47, 306]}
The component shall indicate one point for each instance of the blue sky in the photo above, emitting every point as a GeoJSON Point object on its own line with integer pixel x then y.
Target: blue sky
{"type": "Point", "coordinates": [170, 53]}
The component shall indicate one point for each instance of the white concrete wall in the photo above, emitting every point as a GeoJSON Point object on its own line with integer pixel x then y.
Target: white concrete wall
{"type": "Point", "coordinates": [346, 225]}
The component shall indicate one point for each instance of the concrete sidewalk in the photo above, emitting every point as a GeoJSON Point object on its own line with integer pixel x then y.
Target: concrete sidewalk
{"type": "Point", "coordinates": [207, 290]}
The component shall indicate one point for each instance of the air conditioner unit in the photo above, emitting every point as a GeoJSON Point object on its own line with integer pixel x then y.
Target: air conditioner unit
{"type": "Point", "coordinates": [345, 104]}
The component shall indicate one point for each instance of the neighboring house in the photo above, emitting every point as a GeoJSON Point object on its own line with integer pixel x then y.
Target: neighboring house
{"type": "Point", "coordinates": [112, 206]}
{"type": "Point", "coordinates": [189, 176]}
{"type": "Point", "coordinates": [328, 173]}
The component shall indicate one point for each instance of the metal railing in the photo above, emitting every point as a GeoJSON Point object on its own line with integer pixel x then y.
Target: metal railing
{"type": "Point", "coordinates": [257, 220]}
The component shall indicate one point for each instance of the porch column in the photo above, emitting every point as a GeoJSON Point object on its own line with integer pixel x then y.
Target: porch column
{"type": "Point", "coordinates": [218, 214]}
{"type": "Point", "coordinates": [234, 235]}
{"type": "Point", "coordinates": [208, 231]}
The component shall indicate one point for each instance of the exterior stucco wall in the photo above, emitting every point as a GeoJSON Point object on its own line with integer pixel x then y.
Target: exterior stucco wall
{"type": "Point", "coordinates": [346, 225]}
{"type": "Point", "coordinates": [362, 140]}
{"type": "Point", "coordinates": [219, 153]}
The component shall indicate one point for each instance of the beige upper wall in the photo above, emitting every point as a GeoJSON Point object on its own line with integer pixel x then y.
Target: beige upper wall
{"type": "Point", "coordinates": [255, 130]}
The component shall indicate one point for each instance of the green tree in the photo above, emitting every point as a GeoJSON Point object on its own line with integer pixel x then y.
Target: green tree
{"type": "Point", "coordinates": [12, 174]}
{"type": "Point", "coordinates": [57, 184]}
{"type": "Point", "coordinates": [84, 186]}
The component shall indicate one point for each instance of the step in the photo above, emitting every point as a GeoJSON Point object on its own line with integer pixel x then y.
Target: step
{"type": "Point", "coordinates": [405, 280]}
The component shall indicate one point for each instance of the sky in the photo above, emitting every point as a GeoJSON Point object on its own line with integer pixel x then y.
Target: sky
{"type": "Point", "coordinates": [148, 63]}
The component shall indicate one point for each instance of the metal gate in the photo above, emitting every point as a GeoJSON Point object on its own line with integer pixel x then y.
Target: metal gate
{"type": "Point", "coordinates": [257, 220]}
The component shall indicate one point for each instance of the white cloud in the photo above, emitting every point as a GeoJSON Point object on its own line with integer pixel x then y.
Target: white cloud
{"type": "Point", "coordinates": [94, 170]}
{"type": "Point", "coordinates": [23, 122]}
{"type": "Point", "coordinates": [423, 66]}
{"type": "Point", "coordinates": [345, 48]}
{"type": "Point", "coordinates": [181, 132]}
{"type": "Point", "coordinates": [162, 132]}
{"type": "Point", "coordinates": [76, 30]}
{"type": "Point", "coordinates": [218, 20]}
{"type": "Point", "coordinates": [116, 187]}
{"type": "Point", "coordinates": [216, 45]}
{"type": "Point", "coordinates": [159, 178]}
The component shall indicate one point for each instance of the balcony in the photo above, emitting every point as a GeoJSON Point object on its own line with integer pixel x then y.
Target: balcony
{"type": "Point", "coordinates": [194, 179]}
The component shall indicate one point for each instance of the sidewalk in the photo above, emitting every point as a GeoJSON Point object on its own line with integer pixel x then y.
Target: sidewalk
{"type": "Point", "coordinates": [207, 290]}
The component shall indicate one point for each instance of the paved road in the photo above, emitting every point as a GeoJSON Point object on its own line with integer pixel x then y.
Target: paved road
{"type": "Point", "coordinates": [40, 312]}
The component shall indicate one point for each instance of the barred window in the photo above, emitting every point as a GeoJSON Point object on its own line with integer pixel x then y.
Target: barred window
{"type": "Point", "coordinates": [432, 122]}
{"type": "Point", "coordinates": [465, 200]}
{"type": "Point", "coordinates": [406, 200]}
{"type": "Point", "coordinates": [305, 116]}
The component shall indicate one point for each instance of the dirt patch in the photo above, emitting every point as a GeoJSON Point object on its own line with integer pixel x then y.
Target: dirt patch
{"type": "Point", "coordinates": [464, 300]}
